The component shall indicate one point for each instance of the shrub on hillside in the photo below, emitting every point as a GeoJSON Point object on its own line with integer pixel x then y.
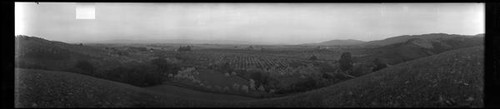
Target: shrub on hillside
{"type": "Point", "coordinates": [263, 79]}
{"type": "Point", "coordinates": [162, 65]}
{"type": "Point", "coordinates": [325, 67]}
{"type": "Point", "coordinates": [182, 49]}
{"type": "Point", "coordinates": [308, 84]}
{"type": "Point", "coordinates": [346, 63]}
{"type": "Point", "coordinates": [378, 64]}
{"type": "Point", "coordinates": [361, 69]}
{"type": "Point", "coordinates": [226, 68]}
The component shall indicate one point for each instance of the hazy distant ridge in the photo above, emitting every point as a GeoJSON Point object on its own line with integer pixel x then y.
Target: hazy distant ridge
{"type": "Point", "coordinates": [338, 42]}
{"type": "Point", "coordinates": [180, 41]}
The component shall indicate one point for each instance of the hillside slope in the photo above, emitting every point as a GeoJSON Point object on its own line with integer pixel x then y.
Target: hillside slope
{"type": "Point", "coordinates": [404, 38]}
{"type": "Point", "coordinates": [41, 88]}
{"type": "Point", "coordinates": [451, 79]}
{"type": "Point", "coordinates": [39, 53]}
{"type": "Point", "coordinates": [419, 47]}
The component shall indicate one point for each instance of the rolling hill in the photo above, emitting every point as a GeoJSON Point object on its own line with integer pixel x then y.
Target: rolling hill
{"type": "Point", "coordinates": [405, 38]}
{"type": "Point", "coordinates": [39, 53]}
{"type": "Point", "coordinates": [449, 79]}
{"type": "Point", "coordinates": [420, 47]}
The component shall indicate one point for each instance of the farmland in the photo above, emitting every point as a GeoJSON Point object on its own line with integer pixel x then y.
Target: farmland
{"type": "Point", "coordinates": [231, 72]}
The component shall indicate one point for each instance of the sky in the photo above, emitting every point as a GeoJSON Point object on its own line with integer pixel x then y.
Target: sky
{"type": "Point", "coordinates": [273, 23]}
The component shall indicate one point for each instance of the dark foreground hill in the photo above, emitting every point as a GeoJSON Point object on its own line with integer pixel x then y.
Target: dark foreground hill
{"type": "Point", "coordinates": [39, 53]}
{"type": "Point", "coordinates": [41, 88]}
{"type": "Point", "coordinates": [449, 79]}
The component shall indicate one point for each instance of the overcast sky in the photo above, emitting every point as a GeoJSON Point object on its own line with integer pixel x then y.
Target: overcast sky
{"type": "Point", "coordinates": [284, 23]}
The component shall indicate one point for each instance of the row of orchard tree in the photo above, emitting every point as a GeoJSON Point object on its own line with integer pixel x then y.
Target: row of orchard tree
{"type": "Point", "coordinates": [182, 48]}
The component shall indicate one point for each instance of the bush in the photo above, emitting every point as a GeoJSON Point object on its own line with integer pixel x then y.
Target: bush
{"type": "Point", "coordinates": [325, 67]}
{"type": "Point", "coordinates": [181, 49]}
{"type": "Point", "coordinates": [308, 84]}
{"type": "Point", "coordinates": [378, 64]}
{"type": "Point", "coordinates": [346, 63]}
{"type": "Point", "coordinates": [263, 79]}
{"type": "Point", "coordinates": [258, 77]}
{"type": "Point", "coordinates": [361, 69]}
{"type": "Point", "coordinates": [147, 74]}
{"type": "Point", "coordinates": [226, 68]}
{"type": "Point", "coordinates": [164, 66]}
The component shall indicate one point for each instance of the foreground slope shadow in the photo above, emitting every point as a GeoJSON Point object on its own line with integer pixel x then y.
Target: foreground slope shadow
{"type": "Point", "coordinates": [450, 79]}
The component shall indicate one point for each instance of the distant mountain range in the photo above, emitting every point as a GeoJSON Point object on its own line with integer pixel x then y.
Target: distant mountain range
{"type": "Point", "coordinates": [181, 41]}
{"type": "Point", "coordinates": [338, 42]}
{"type": "Point", "coordinates": [392, 40]}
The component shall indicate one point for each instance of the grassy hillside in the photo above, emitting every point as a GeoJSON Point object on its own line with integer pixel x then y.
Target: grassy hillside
{"type": "Point", "coordinates": [404, 38]}
{"type": "Point", "coordinates": [188, 93]}
{"type": "Point", "coordinates": [41, 88]}
{"type": "Point", "coordinates": [420, 47]}
{"type": "Point", "coordinates": [34, 52]}
{"type": "Point", "coordinates": [450, 79]}
{"type": "Point", "coordinates": [39, 53]}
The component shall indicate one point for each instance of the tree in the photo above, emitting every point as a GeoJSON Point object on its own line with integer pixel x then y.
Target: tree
{"type": "Point", "coordinates": [164, 66]}
{"type": "Point", "coordinates": [181, 48]}
{"type": "Point", "coordinates": [263, 79]}
{"type": "Point", "coordinates": [345, 61]}
{"type": "Point", "coordinates": [308, 84]}
{"type": "Point", "coordinates": [378, 64]}
{"type": "Point", "coordinates": [138, 75]}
